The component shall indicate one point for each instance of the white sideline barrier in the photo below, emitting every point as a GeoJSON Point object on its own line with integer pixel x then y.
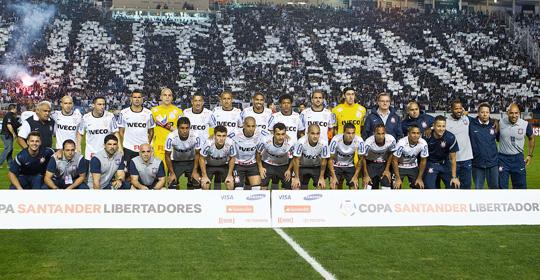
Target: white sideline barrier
{"type": "Point", "coordinates": [134, 209]}
{"type": "Point", "coordinates": [345, 208]}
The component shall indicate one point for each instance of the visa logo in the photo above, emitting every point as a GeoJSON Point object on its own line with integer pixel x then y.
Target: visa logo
{"type": "Point", "coordinates": [284, 197]}
{"type": "Point", "coordinates": [227, 197]}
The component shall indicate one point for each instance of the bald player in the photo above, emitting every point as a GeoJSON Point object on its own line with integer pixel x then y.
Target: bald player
{"type": "Point", "coordinates": [67, 121]}
{"type": "Point", "coordinates": [146, 171]}
{"type": "Point", "coordinates": [310, 158]}
{"type": "Point", "coordinates": [165, 118]}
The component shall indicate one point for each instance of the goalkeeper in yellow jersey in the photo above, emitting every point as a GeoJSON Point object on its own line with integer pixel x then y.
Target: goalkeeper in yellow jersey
{"type": "Point", "coordinates": [165, 116]}
{"type": "Point", "coordinates": [349, 112]}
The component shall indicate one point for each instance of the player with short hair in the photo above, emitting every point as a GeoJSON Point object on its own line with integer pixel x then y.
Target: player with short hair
{"type": "Point", "coordinates": [198, 115]}
{"type": "Point", "coordinates": [146, 171]}
{"type": "Point", "coordinates": [182, 154]}
{"type": "Point", "coordinates": [378, 159]}
{"type": "Point", "coordinates": [30, 164]}
{"type": "Point", "coordinates": [442, 156]}
{"type": "Point", "coordinates": [349, 112]}
{"type": "Point", "coordinates": [416, 117]}
{"type": "Point", "coordinates": [318, 115]}
{"type": "Point", "coordinates": [483, 133]}
{"type": "Point", "coordinates": [225, 115]}
{"type": "Point", "coordinates": [67, 171]}
{"type": "Point", "coordinates": [258, 111]}
{"type": "Point", "coordinates": [385, 114]}
{"type": "Point", "coordinates": [107, 167]}
{"type": "Point", "coordinates": [274, 154]}
{"type": "Point", "coordinates": [286, 116]}
{"type": "Point", "coordinates": [217, 160]}
{"type": "Point", "coordinates": [343, 149]}
{"type": "Point", "coordinates": [165, 117]}
{"type": "Point", "coordinates": [405, 158]}
{"type": "Point", "coordinates": [311, 154]}
{"type": "Point", "coordinates": [40, 122]}
{"type": "Point", "coordinates": [458, 124]}
{"type": "Point", "coordinates": [67, 121]}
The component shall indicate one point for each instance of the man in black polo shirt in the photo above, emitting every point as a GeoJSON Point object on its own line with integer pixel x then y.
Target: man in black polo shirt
{"type": "Point", "coordinates": [40, 123]}
{"type": "Point", "coordinates": [9, 132]}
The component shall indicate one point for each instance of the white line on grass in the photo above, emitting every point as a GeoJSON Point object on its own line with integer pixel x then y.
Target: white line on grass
{"type": "Point", "coordinates": [317, 266]}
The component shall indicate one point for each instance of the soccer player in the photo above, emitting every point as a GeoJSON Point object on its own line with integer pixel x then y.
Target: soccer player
{"type": "Point", "coordinates": [405, 158]}
{"type": "Point", "coordinates": [9, 133]}
{"type": "Point", "coordinates": [217, 160]}
{"type": "Point", "coordinates": [442, 156]}
{"type": "Point", "coordinates": [67, 122]}
{"type": "Point", "coordinates": [246, 140]}
{"type": "Point", "coordinates": [165, 117]}
{"type": "Point", "coordinates": [225, 115]}
{"type": "Point", "coordinates": [258, 111]}
{"type": "Point", "coordinates": [274, 154]}
{"type": "Point", "coordinates": [378, 159]}
{"type": "Point", "coordinates": [198, 115]}
{"type": "Point", "coordinates": [30, 164]}
{"type": "Point", "coordinates": [483, 133]}
{"type": "Point", "coordinates": [286, 116]}
{"type": "Point", "coordinates": [40, 122]}
{"type": "Point", "coordinates": [343, 148]}
{"type": "Point", "coordinates": [146, 171]}
{"type": "Point", "coordinates": [68, 171]}
{"type": "Point", "coordinates": [513, 130]}
{"type": "Point", "coordinates": [458, 124]}
{"type": "Point", "coordinates": [349, 112]}
{"type": "Point", "coordinates": [383, 113]}
{"type": "Point", "coordinates": [107, 167]}
{"type": "Point", "coordinates": [136, 126]}
{"type": "Point", "coordinates": [311, 154]}
{"type": "Point", "coordinates": [182, 149]}
{"type": "Point", "coordinates": [418, 118]}
{"type": "Point", "coordinates": [95, 126]}
{"type": "Point", "coordinates": [318, 115]}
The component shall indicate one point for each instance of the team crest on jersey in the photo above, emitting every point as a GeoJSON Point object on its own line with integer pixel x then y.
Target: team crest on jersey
{"type": "Point", "coordinates": [117, 161]}
{"type": "Point", "coordinates": [520, 131]}
{"type": "Point", "coordinates": [492, 131]}
{"type": "Point", "coordinates": [500, 169]}
{"type": "Point", "coordinates": [443, 144]}
{"type": "Point", "coordinates": [392, 120]}
{"type": "Point", "coordinates": [358, 114]}
{"type": "Point", "coordinates": [466, 122]}
{"type": "Point", "coordinates": [154, 170]}
{"type": "Point", "coordinates": [172, 114]}
{"type": "Point", "coordinates": [42, 160]}
{"type": "Point", "coordinates": [430, 170]}
{"type": "Point", "coordinates": [424, 124]}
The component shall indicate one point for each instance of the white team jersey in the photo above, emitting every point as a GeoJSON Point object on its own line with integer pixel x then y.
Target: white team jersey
{"type": "Point", "coordinates": [200, 123]}
{"type": "Point", "coordinates": [408, 154]}
{"type": "Point", "coordinates": [246, 147]}
{"type": "Point", "coordinates": [182, 150]}
{"type": "Point", "coordinates": [378, 153]}
{"type": "Point", "coordinates": [261, 119]}
{"type": "Point", "coordinates": [460, 128]}
{"type": "Point", "coordinates": [228, 119]}
{"type": "Point", "coordinates": [136, 125]}
{"type": "Point", "coordinates": [273, 154]}
{"type": "Point", "coordinates": [215, 156]}
{"type": "Point", "coordinates": [343, 153]}
{"type": "Point", "coordinates": [95, 130]}
{"type": "Point", "coordinates": [325, 119]}
{"type": "Point", "coordinates": [66, 126]}
{"type": "Point", "coordinates": [292, 122]}
{"type": "Point", "coordinates": [310, 156]}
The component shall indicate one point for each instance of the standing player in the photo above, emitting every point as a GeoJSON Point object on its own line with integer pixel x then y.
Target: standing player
{"type": "Point", "coordinates": [95, 126]}
{"type": "Point", "coordinates": [349, 112]}
{"type": "Point", "coordinates": [27, 169]}
{"type": "Point", "coordinates": [458, 124]}
{"type": "Point", "coordinates": [258, 111]}
{"type": "Point", "coordinates": [405, 158]}
{"type": "Point", "coordinates": [246, 141]}
{"type": "Point", "coordinates": [226, 115]}
{"type": "Point", "coordinates": [40, 122]}
{"type": "Point", "coordinates": [485, 165]}
{"type": "Point", "coordinates": [418, 118]}
{"type": "Point", "coordinates": [310, 159]}
{"type": "Point", "coordinates": [67, 171]}
{"type": "Point", "coordinates": [384, 114]}
{"type": "Point", "coordinates": [318, 115]}
{"type": "Point", "coordinates": [378, 159]}
{"type": "Point", "coordinates": [274, 155]}
{"type": "Point", "coordinates": [182, 154]}
{"type": "Point", "coordinates": [217, 160]}
{"type": "Point", "coordinates": [442, 156]}
{"type": "Point", "coordinates": [165, 117]}
{"type": "Point", "coordinates": [286, 116]}
{"type": "Point", "coordinates": [513, 130]}
{"type": "Point", "coordinates": [199, 116]}
{"type": "Point", "coordinates": [343, 148]}
{"type": "Point", "coordinates": [67, 121]}
{"type": "Point", "coordinates": [146, 171]}
{"type": "Point", "coordinates": [136, 126]}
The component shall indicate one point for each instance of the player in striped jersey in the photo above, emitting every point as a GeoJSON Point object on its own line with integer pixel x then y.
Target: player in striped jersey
{"type": "Point", "coordinates": [217, 160]}
{"type": "Point", "coordinates": [310, 159]}
{"type": "Point", "coordinates": [318, 115]}
{"type": "Point", "coordinates": [378, 159]}
{"type": "Point", "coordinates": [198, 115]}
{"type": "Point", "coordinates": [343, 148]}
{"type": "Point", "coordinates": [274, 155]}
{"type": "Point", "coordinates": [258, 111]}
{"type": "Point", "coordinates": [286, 116]}
{"type": "Point", "coordinates": [95, 125]}
{"type": "Point", "coordinates": [136, 126]}
{"type": "Point", "coordinates": [226, 115]}
{"type": "Point", "coordinates": [165, 117]}
{"type": "Point", "coordinates": [66, 121]}
{"type": "Point", "coordinates": [405, 158]}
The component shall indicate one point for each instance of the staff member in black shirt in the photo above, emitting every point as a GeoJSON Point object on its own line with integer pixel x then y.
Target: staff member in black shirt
{"type": "Point", "coordinates": [41, 123]}
{"type": "Point", "coordinates": [9, 132]}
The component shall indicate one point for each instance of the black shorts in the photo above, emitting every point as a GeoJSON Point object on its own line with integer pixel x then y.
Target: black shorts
{"type": "Point", "coordinates": [307, 173]}
{"type": "Point", "coordinates": [184, 168]}
{"type": "Point", "coordinates": [219, 173]}
{"type": "Point", "coordinates": [276, 173]}
{"type": "Point", "coordinates": [345, 173]}
{"type": "Point", "coordinates": [243, 172]}
{"type": "Point", "coordinates": [375, 171]}
{"type": "Point", "coordinates": [129, 155]}
{"type": "Point", "coordinates": [411, 174]}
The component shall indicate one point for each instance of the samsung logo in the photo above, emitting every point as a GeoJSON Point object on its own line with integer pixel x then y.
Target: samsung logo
{"type": "Point", "coordinates": [256, 196]}
{"type": "Point", "coordinates": [313, 196]}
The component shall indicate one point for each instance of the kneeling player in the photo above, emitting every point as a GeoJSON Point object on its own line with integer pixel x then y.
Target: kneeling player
{"type": "Point", "coordinates": [68, 171]}
{"type": "Point", "coordinates": [274, 159]}
{"type": "Point", "coordinates": [405, 161]}
{"type": "Point", "coordinates": [342, 150]}
{"type": "Point", "coordinates": [310, 156]}
{"type": "Point", "coordinates": [182, 155]}
{"type": "Point", "coordinates": [147, 171]}
{"type": "Point", "coordinates": [217, 160]}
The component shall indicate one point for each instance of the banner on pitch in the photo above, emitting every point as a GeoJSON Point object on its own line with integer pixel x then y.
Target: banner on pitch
{"type": "Point", "coordinates": [134, 209]}
{"type": "Point", "coordinates": [349, 208]}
